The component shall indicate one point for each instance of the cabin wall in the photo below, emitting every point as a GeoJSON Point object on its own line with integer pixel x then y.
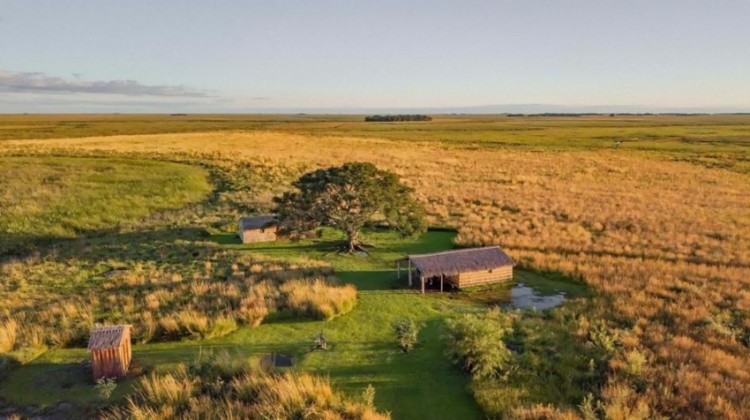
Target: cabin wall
{"type": "Point", "coordinates": [476, 278]}
{"type": "Point", "coordinates": [267, 234]}
{"type": "Point", "coordinates": [112, 362]}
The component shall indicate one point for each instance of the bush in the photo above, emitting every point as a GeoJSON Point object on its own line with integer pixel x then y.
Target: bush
{"type": "Point", "coordinates": [105, 387]}
{"type": "Point", "coordinates": [476, 342]}
{"type": "Point", "coordinates": [406, 332]}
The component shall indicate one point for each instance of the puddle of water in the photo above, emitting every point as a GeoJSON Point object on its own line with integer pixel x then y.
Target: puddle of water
{"type": "Point", "coordinates": [276, 360]}
{"type": "Point", "coordinates": [525, 297]}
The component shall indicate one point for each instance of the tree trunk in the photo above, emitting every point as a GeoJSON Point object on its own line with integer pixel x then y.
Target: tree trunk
{"type": "Point", "coordinates": [352, 239]}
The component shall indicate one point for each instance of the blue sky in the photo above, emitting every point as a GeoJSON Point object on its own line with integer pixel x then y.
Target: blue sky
{"type": "Point", "coordinates": [245, 56]}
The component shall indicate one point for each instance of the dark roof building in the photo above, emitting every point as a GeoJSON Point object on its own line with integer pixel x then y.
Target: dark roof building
{"type": "Point", "coordinates": [258, 228]}
{"type": "Point", "coordinates": [257, 222]}
{"type": "Point", "coordinates": [463, 267]}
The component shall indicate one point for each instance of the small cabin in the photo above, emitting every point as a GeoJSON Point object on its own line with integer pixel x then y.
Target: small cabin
{"type": "Point", "coordinates": [110, 351]}
{"type": "Point", "coordinates": [258, 229]}
{"type": "Point", "coordinates": [460, 268]}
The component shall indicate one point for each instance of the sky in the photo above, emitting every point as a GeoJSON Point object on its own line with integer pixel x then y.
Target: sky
{"type": "Point", "coordinates": [353, 56]}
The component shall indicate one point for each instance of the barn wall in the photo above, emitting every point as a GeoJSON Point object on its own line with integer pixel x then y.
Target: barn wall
{"type": "Point", "coordinates": [259, 235]}
{"type": "Point", "coordinates": [475, 278]}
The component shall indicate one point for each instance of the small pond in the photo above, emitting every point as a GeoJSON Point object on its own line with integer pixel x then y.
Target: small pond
{"type": "Point", "coordinates": [525, 297]}
{"type": "Point", "coordinates": [276, 360]}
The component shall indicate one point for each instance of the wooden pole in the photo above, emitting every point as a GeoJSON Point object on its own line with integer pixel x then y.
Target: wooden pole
{"type": "Point", "coordinates": [422, 279]}
{"type": "Point", "coordinates": [441, 283]}
{"type": "Point", "coordinates": [409, 273]}
{"type": "Point", "coordinates": [398, 269]}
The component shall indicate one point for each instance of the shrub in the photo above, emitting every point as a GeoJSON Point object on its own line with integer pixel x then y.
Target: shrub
{"type": "Point", "coordinates": [406, 332]}
{"type": "Point", "coordinates": [105, 387]}
{"type": "Point", "coordinates": [476, 342]}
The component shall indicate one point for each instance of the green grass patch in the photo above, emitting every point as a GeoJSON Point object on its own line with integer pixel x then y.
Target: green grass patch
{"type": "Point", "coordinates": [48, 198]}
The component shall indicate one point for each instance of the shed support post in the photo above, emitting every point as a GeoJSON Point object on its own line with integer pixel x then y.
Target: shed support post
{"type": "Point", "coordinates": [441, 283]}
{"type": "Point", "coordinates": [422, 280]}
{"type": "Point", "coordinates": [409, 273]}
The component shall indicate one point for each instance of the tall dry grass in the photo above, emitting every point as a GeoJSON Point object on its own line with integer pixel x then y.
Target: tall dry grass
{"type": "Point", "coordinates": [162, 304]}
{"type": "Point", "coordinates": [317, 299]}
{"type": "Point", "coordinates": [209, 391]}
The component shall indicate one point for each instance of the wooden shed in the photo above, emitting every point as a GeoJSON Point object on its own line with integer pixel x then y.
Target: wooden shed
{"type": "Point", "coordinates": [460, 268]}
{"type": "Point", "coordinates": [258, 228]}
{"type": "Point", "coordinates": [110, 351]}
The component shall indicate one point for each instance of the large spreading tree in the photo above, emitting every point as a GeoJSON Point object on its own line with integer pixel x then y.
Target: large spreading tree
{"type": "Point", "coordinates": [349, 198]}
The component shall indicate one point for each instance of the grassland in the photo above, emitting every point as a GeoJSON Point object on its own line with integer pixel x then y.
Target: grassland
{"type": "Point", "coordinates": [45, 199]}
{"type": "Point", "coordinates": [658, 228]}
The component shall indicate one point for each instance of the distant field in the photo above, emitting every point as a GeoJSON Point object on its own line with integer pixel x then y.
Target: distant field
{"type": "Point", "coordinates": [720, 133]}
{"type": "Point", "coordinates": [650, 215]}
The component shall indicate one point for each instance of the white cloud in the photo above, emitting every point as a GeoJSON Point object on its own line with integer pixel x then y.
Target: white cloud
{"type": "Point", "coordinates": [34, 82]}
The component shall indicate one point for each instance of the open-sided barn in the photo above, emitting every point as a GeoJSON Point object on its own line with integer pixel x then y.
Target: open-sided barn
{"type": "Point", "coordinates": [462, 267]}
{"type": "Point", "coordinates": [110, 351]}
{"type": "Point", "coordinates": [258, 229]}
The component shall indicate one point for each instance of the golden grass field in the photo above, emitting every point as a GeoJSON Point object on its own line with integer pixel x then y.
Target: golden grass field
{"type": "Point", "coordinates": [662, 240]}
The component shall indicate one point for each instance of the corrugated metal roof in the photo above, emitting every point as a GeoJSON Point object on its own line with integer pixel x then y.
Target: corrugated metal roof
{"type": "Point", "coordinates": [451, 263]}
{"type": "Point", "coordinates": [257, 222]}
{"type": "Point", "coordinates": [107, 337]}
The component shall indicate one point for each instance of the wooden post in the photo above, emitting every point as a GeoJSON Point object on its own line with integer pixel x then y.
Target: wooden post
{"type": "Point", "coordinates": [409, 273]}
{"type": "Point", "coordinates": [422, 279]}
{"type": "Point", "coordinates": [398, 269]}
{"type": "Point", "coordinates": [441, 283]}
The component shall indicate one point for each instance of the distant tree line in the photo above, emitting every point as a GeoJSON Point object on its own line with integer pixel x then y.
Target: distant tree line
{"type": "Point", "coordinates": [399, 117]}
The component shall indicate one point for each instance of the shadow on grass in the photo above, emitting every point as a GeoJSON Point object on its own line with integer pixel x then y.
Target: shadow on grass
{"type": "Point", "coordinates": [45, 385]}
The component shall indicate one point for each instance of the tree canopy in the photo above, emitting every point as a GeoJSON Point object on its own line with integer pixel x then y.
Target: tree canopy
{"type": "Point", "coordinates": [349, 198]}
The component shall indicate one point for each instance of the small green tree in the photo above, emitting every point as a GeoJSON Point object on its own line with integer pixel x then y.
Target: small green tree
{"type": "Point", "coordinates": [406, 332]}
{"type": "Point", "coordinates": [368, 396]}
{"type": "Point", "coordinates": [348, 198]}
{"type": "Point", "coordinates": [105, 387]}
{"type": "Point", "coordinates": [476, 342]}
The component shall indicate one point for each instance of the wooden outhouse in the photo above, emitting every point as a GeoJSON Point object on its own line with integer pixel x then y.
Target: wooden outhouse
{"type": "Point", "coordinates": [258, 229]}
{"type": "Point", "coordinates": [460, 268]}
{"type": "Point", "coordinates": [110, 351]}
